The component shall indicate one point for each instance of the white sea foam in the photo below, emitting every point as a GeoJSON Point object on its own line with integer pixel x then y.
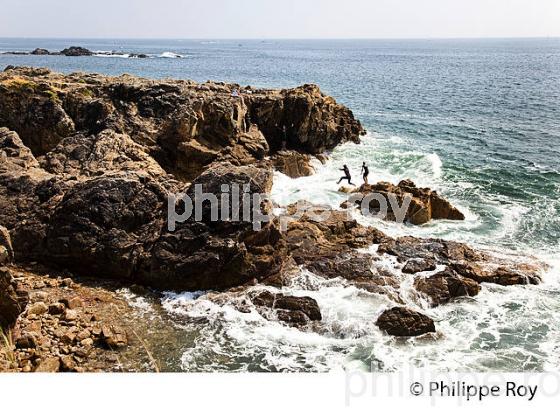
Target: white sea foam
{"type": "Point", "coordinates": [169, 54]}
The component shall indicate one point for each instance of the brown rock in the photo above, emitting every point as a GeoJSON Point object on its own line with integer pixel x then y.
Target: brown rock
{"type": "Point", "coordinates": [416, 265]}
{"type": "Point", "coordinates": [425, 204]}
{"type": "Point", "coordinates": [70, 315]}
{"type": "Point", "coordinates": [292, 309]}
{"type": "Point", "coordinates": [12, 303]}
{"type": "Point", "coordinates": [445, 286]}
{"type": "Point", "coordinates": [37, 308]}
{"type": "Point", "coordinates": [68, 364]}
{"type": "Point", "coordinates": [114, 337]}
{"type": "Point", "coordinates": [26, 341]}
{"type": "Point", "coordinates": [48, 365]}
{"type": "Point", "coordinates": [293, 164]}
{"type": "Point", "coordinates": [401, 321]}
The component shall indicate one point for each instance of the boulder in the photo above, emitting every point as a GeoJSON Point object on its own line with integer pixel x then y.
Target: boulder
{"type": "Point", "coordinates": [445, 286]}
{"type": "Point", "coordinates": [291, 309]}
{"type": "Point", "coordinates": [401, 321]}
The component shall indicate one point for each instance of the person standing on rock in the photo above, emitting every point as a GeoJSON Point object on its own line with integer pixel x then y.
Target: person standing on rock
{"type": "Point", "coordinates": [346, 175]}
{"type": "Point", "coordinates": [365, 173]}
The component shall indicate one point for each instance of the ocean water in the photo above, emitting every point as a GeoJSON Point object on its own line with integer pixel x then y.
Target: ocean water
{"type": "Point", "coordinates": [478, 120]}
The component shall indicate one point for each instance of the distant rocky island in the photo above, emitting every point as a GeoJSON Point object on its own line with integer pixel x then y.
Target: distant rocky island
{"type": "Point", "coordinates": [76, 51]}
{"type": "Point", "coordinates": [87, 164]}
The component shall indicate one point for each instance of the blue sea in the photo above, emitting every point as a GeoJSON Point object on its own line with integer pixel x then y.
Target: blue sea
{"type": "Point", "coordinates": [478, 120]}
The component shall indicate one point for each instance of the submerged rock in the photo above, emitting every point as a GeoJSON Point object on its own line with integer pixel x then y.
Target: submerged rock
{"type": "Point", "coordinates": [401, 321]}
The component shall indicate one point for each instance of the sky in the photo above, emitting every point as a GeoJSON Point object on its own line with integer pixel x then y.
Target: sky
{"type": "Point", "coordinates": [243, 19]}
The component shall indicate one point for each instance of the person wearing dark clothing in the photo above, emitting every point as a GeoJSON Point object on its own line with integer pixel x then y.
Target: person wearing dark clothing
{"type": "Point", "coordinates": [346, 176]}
{"type": "Point", "coordinates": [365, 172]}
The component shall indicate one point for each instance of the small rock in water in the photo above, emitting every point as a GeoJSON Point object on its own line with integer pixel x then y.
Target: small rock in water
{"type": "Point", "coordinates": [401, 321]}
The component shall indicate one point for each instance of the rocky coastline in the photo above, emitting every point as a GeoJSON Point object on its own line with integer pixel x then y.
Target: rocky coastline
{"type": "Point", "coordinates": [87, 164]}
{"type": "Point", "coordinates": [77, 51]}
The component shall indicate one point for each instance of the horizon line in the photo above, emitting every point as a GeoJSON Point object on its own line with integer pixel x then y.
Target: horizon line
{"type": "Point", "coordinates": [285, 38]}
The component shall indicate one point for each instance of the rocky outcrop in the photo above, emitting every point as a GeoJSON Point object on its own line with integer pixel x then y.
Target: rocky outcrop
{"type": "Point", "coordinates": [183, 125]}
{"type": "Point", "coordinates": [40, 52]}
{"type": "Point", "coordinates": [469, 263]}
{"type": "Point", "coordinates": [85, 183]}
{"type": "Point", "coordinates": [400, 321]}
{"type": "Point", "coordinates": [75, 51]}
{"type": "Point", "coordinates": [425, 204]}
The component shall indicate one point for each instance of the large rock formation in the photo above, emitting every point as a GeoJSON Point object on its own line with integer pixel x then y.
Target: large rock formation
{"type": "Point", "coordinates": [91, 166]}
{"type": "Point", "coordinates": [89, 162]}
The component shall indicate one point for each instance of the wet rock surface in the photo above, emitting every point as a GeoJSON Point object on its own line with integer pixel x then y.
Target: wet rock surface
{"type": "Point", "coordinates": [400, 321]}
{"type": "Point", "coordinates": [425, 204]}
{"type": "Point", "coordinates": [444, 286]}
{"type": "Point", "coordinates": [291, 309]}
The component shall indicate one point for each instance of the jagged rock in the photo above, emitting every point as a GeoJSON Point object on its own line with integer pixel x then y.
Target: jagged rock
{"type": "Point", "coordinates": [401, 321]}
{"type": "Point", "coordinates": [502, 275]}
{"type": "Point", "coordinates": [76, 52]}
{"type": "Point", "coordinates": [467, 262]}
{"type": "Point", "coordinates": [425, 204]}
{"type": "Point", "coordinates": [34, 110]}
{"type": "Point", "coordinates": [442, 251]}
{"type": "Point", "coordinates": [105, 226]}
{"type": "Point", "coordinates": [293, 164]}
{"type": "Point", "coordinates": [416, 265]}
{"type": "Point", "coordinates": [444, 286]}
{"type": "Point", "coordinates": [249, 148]}
{"type": "Point", "coordinates": [291, 309]}
{"type": "Point", "coordinates": [291, 118]}
{"type": "Point", "coordinates": [207, 254]}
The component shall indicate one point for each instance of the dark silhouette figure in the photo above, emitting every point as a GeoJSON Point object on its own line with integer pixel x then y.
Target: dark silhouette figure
{"type": "Point", "coordinates": [365, 172]}
{"type": "Point", "coordinates": [346, 176]}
